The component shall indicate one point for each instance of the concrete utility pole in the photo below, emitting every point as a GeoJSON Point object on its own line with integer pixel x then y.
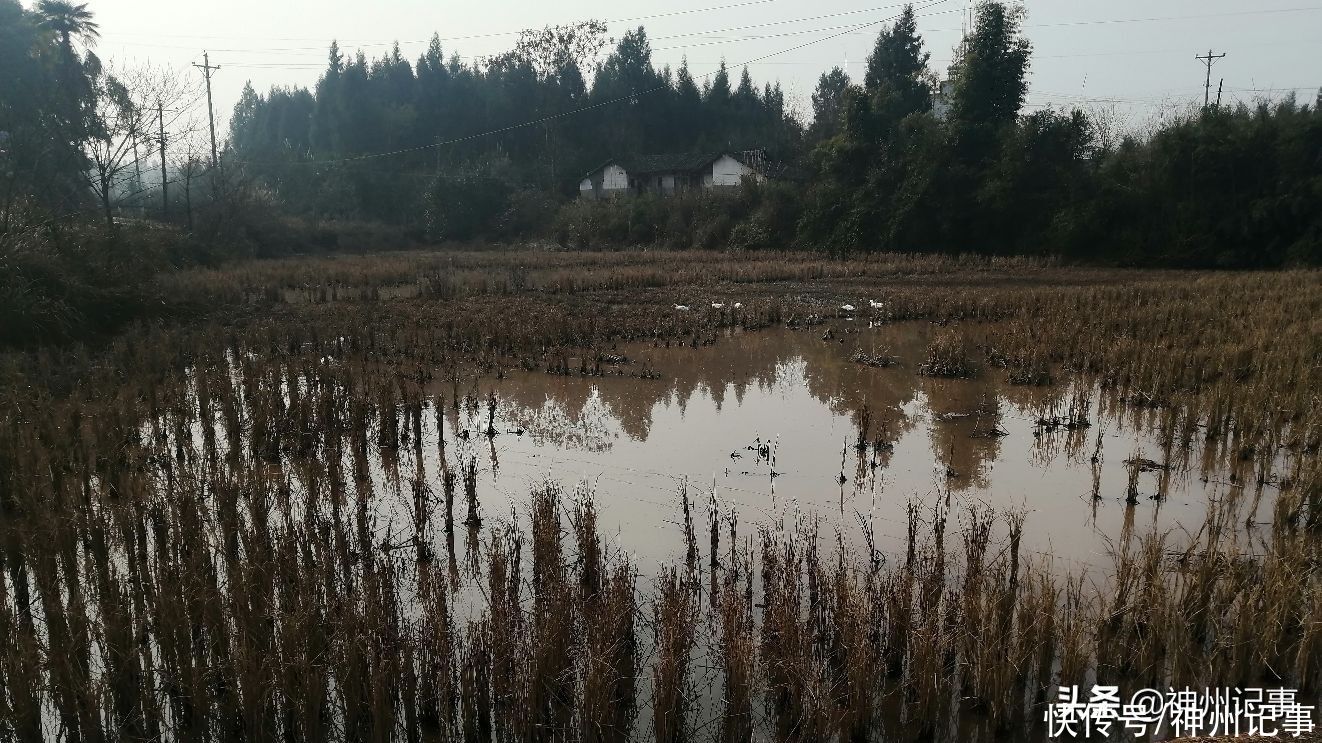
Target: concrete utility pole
{"type": "Point", "coordinates": [165, 194]}
{"type": "Point", "coordinates": [1208, 59]}
{"type": "Point", "coordinates": [207, 69]}
{"type": "Point", "coordinates": [137, 166]}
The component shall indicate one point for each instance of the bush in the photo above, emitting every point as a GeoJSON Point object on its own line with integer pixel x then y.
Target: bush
{"type": "Point", "coordinates": [65, 282]}
{"type": "Point", "coordinates": [751, 217]}
{"type": "Point", "coordinates": [464, 207]}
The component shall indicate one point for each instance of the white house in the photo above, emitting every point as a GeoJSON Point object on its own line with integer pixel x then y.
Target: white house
{"type": "Point", "coordinates": [667, 174]}
{"type": "Point", "coordinates": [942, 100]}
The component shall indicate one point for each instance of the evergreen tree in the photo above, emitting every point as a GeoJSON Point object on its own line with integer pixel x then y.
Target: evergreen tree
{"type": "Point", "coordinates": [990, 79]}
{"type": "Point", "coordinates": [828, 103]}
{"type": "Point", "coordinates": [897, 74]}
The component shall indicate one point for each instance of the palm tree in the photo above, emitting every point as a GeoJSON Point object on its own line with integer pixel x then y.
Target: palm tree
{"type": "Point", "coordinates": [69, 21]}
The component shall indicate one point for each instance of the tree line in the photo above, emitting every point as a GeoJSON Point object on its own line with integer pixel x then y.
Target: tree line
{"type": "Point", "coordinates": [444, 148]}
{"type": "Point", "coordinates": [434, 115]}
{"type": "Point", "coordinates": [884, 164]}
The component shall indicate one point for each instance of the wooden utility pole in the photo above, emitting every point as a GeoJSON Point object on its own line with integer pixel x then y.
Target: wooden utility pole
{"type": "Point", "coordinates": [207, 69]}
{"type": "Point", "coordinates": [165, 194]}
{"type": "Point", "coordinates": [1208, 59]}
{"type": "Point", "coordinates": [1219, 86]}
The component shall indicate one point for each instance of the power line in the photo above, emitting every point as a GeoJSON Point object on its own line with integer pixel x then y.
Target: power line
{"type": "Point", "coordinates": [692, 34]}
{"type": "Point", "coordinates": [1155, 19]}
{"type": "Point", "coordinates": [724, 40]}
{"type": "Point", "coordinates": [257, 64]}
{"type": "Point", "coordinates": [761, 37]}
{"type": "Point", "coordinates": [322, 49]}
{"type": "Point", "coordinates": [485, 35]}
{"type": "Point", "coordinates": [1061, 24]}
{"type": "Point", "coordinates": [778, 23]}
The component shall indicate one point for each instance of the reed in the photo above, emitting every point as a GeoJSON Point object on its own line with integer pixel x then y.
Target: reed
{"type": "Point", "coordinates": [611, 658]}
{"type": "Point", "coordinates": [738, 654]}
{"type": "Point", "coordinates": [948, 355]}
{"type": "Point", "coordinates": [674, 616]}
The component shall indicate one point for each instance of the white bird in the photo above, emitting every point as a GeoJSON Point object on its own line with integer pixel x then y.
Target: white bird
{"type": "Point", "coordinates": [682, 307]}
{"type": "Point", "coordinates": [875, 304]}
{"type": "Point", "coordinates": [847, 307]}
{"type": "Point", "coordinates": [738, 305]}
{"type": "Point", "coordinates": [717, 306]}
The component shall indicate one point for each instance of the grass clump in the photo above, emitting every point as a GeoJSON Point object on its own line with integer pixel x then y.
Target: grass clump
{"type": "Point", "coordinates": [949, 354]}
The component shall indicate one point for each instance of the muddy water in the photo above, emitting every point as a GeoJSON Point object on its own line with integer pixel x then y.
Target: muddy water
{"type": "Point", "coordinates": [765, 425]}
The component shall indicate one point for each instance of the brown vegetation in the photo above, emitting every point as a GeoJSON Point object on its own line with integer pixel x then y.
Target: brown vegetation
{"type": "Point", "coordinates": [190, 548]}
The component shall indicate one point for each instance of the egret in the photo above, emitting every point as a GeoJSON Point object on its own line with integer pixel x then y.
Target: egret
{"type": "Point", "coordinates": [847, 307]}
{"type": "Point", "coordinates": [682, 307]}
{"type": "Point", "coordinates": [738, 305]}
{"type": "Point", "coordinates": [875, 304]}
{"type": "Point", "coordinates": [717, 305]}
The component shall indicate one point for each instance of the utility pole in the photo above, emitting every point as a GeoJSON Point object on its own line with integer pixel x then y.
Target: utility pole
{"type": "Point", "coordinates": [1218, 91]}
{"type": "Point", "coordinates": [207, 69]}
{"type": "Point", "coordinates": [1209, 59]}
{"type": "Point", "coordinates": [165, 194]}
{"type": "Point", "coordinates": [137, 168]}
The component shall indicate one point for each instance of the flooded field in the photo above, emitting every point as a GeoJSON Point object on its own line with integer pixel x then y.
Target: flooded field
{"type": "Point", "coordinates": [373, 517]}
{"type": "Point", "coordinates": [767, 425]}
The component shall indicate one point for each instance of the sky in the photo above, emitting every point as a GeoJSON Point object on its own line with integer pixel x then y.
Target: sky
{"type": "Point", "coordinates": [1131, 61]}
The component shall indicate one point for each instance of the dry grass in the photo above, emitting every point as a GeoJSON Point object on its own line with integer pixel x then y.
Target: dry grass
{"type": "Point", "coordinates": [948, 355]}
{"type": "Point", "coordinates": [189, 548]}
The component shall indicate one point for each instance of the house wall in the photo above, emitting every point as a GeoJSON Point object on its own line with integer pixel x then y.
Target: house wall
{"type": "Point", "coordinates": [941, 101]}
{"type": "Point", "coordinates": [614, 179]}
{"type": "Point", "coordinates": [611, 180]}
{"type": "Point", "coordinates": [727, 171]}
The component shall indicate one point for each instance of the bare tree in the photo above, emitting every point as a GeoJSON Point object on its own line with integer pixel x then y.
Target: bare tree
{"type": "Point", "coordinates": [190, 161]}
{"type": "Point", "coordinates": [133, 106]}
{"type": "Point", "coordinates": [552, 51]}
{"type": "Point", "coordinates": [1110, 123]}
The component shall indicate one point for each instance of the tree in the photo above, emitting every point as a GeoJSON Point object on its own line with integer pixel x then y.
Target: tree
{"type": "Point", "coordinates": [688, 99]}
{"type": "Point", "coordinates": [122, 123]}
{"type": "Point", "coordinates": [630, 84]}
{"type": "Point", "coordinates": [41, 163]}
{"type": "Point", "coordinates": [828, 103]}
{"type": "Point", "coordinates": [561, 54]}
{"type": "Point", "coordinates": [45, 105]}
{"type": "Point", "coordinates": [327, 116]}
{"type": "Point", "coordinates": [897, 77]}
{"type": "Point", "coordinates": [990, 79]}
{"type": "Point", "coordinates": [716, 92]}
{"type": "Point", "coordinates": [190, 164]}
{"type": "Point", "coordinates": [126, 117]}
{"type": "Point", "coordinates": [69, 22]}
{"type": "Point", "coordinates": [628, 70]}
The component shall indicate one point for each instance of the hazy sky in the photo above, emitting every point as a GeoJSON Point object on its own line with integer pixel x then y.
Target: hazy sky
{"type": "Point", "coordinates": [1134, 56]}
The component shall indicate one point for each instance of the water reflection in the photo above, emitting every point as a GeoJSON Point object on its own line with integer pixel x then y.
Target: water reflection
{"type": "Point", "coordinates": [784, 425]}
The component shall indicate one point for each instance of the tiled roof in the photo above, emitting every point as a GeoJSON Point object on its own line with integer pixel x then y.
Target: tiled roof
{"type": "Point", "coordinates": [670, 163]}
